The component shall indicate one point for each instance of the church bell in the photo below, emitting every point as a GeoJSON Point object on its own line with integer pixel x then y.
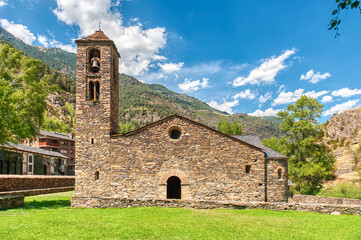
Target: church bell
{"type": "Point", "coordinates": [95, 67]}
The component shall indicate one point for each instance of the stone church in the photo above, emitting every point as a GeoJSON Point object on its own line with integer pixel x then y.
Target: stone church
{"type": "Point", "coordinates": [173, 158]}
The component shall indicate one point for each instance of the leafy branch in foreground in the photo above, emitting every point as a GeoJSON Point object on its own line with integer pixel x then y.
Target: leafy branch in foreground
{"type": "Point", "coordinates": [342, 5]}
{"type": "Point", "coordinates": [23, 90]}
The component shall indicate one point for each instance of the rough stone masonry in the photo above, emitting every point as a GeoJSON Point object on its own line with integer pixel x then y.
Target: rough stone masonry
{"type": "Point", "coordinates": [174, 158]}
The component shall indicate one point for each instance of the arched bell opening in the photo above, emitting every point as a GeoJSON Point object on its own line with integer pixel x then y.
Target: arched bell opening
{"type": "Point", "coordinates": [94, 60]}
{"type": "Point", "coordinates": [97, 90]}
{"type": "Point", "coordinates": [174, 188]}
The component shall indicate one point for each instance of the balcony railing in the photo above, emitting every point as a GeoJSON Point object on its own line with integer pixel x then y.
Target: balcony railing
{"type": "Point", "coordinates": [48, 144]}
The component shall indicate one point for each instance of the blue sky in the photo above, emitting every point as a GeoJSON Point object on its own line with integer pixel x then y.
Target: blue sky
{"type": "Point", "coordinates": [238, 56]}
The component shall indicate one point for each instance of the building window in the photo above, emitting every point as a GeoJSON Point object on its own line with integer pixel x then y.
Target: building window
{"type": "Point", "coordinates": [30, 164]}
{"type": "Point", "coordinates": [96, 175]}
{"type": "Point", "coordinates": [174, 133]}
{"type": "Point", "coordinates": [92, 140]}
{"type": "Point", "coordinates": [64, 151]}
{"type": "Point", "coordinates": [94, 90]}
{"type": "Point", "coordinates": [279, 174]}
{"type": "Point", "coordinates": [248, 168]}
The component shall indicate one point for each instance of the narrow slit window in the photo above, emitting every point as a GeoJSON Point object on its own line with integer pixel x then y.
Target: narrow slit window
{"type": "Point", "coordinates": [96, 175]}
{"type": "Point", "coordinates": [279, 173]}
{"type": "Point", "coordinates": [248, 168]}
{"type": "Point", "coordinates": [92, 140]}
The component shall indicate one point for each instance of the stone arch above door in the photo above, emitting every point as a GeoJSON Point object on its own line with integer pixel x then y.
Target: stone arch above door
{"type": "Point", "coordinates": [174, 172]}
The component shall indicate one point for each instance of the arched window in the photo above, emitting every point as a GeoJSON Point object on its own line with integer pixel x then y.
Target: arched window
{"type": "Point", "coordinates": [91, 90]}
{"type": "Point", "coordinates": [174, 190]}
{"type": "Point", "coordinates": [279, 173]}
{"type": "Point", "coordinates": [94, 60]}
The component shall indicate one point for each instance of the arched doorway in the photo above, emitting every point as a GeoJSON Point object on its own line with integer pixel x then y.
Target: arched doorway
{"type": "Point", "coordinates": [174, 190]}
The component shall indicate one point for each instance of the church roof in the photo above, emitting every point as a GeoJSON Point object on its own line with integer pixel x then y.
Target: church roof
{"type": "Point", "coordinates": [98, 35]}
{"type": "Point", "coordinates": [255, 141]}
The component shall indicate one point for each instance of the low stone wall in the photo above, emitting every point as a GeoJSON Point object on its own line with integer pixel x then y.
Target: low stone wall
{"type": "Point", "coordinates": [103, 202]}
{"type": "Point", "coordinates": [33, 192]}
{"type": "Point", "coordinates": [298, 198]}
{"type": "Point", "coordinates": [7, 202]}
{"type": "Point", "coordinates": [27, 182]}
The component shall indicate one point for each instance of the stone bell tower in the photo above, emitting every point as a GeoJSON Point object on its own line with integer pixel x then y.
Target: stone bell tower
{"type": "Point", "coordinates": [97, 111]}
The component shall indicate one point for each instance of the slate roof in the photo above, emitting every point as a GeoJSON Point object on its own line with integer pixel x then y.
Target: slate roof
{"type": "Point", "coordinates": [56, 135]}
{"type": "Point", "coordinates": [255, 141]}
{"type": "Point", "coordinates": [24, 148]}
{"type": "Point", "coordinates": [98, 35]}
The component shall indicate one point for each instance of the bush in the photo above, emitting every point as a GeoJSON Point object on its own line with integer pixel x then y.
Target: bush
{"type": "Point", "coordinates": [342, 190]}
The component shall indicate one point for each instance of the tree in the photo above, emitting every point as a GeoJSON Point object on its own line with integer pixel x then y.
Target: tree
{"type": "Point", "coordinates": [23, 90]}
{"type": "Point", "coordinates": [231, 129]}
{"type": "Point", "coordinates": [342, 5]}
{"type": "Point", "coordinates": [310, 163]}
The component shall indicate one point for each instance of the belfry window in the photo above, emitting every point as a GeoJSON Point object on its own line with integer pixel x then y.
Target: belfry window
{"type": "Point", "coordinates": [94, 90]}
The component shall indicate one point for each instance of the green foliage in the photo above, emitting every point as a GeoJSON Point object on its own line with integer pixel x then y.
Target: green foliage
{"type": "Point", "coordinates": [231, 129]}
{"type": "Point", "coordinates": [342, 190]}
{"type": "Point", "coordinates": [71, 111]}
{"type": "Point", "coordinates": [23, 90]}
{"type": "Point", "coordinates": [342, 5]}
{"type": "Point", "coordinates": [126, 127]}
{"type": "Point", "coordinates": [53, 124]}
{"type": "Point", "coordinates": [277, 144]}
{"type": "Point", "coordinates": [310, 163]}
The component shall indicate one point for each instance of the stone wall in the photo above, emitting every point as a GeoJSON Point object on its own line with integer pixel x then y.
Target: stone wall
{"type": "Point", "coordinates": [210, 165]}
{"type": "Point", "coordinates": [7, 202]}
{"type": "Point", "coordinates": [26, 182]}
{"type": "Point", "coordinates": [114, 202]}
{"type": "Point", "coordinates": [277, 188]}
{"type": "Point", "coordinates": [298, 198]}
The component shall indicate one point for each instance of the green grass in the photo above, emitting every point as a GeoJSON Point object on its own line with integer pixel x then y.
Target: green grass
{"type": "Point", "coordinates": [50, 217]}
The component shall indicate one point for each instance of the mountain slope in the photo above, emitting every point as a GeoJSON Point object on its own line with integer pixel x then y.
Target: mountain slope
{"type": "Point", "coordinates": [56, 58]}
{"type": "Point", "coordinates": [140, 103]}
{"type": "Point", "coordinates": [342, 133]}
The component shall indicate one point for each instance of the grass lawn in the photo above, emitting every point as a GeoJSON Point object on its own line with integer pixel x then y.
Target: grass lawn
{"type": "Point", "coordinates": [50, 217]}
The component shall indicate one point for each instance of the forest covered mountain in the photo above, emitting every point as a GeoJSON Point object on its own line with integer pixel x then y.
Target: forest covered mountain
{"type": "Point", "coordinates": [140, 103]}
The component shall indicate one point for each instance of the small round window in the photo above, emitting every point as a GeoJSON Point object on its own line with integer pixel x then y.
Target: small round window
{"type": "Point", "coordinates": [174, 134]}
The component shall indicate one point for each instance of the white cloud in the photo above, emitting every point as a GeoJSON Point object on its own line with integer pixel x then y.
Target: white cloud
{"type": "Point", "coordinates": [18, 30]}
{"type": "Point", "coordinates": [3, 3]}
{"type": "Point", "coordinates": [266, 72]}
{"type": "Point", "coordinates": [264, 98]}
{"type": "Point", "coordinates": [246, 94]}
{"type": "Point", "coordinates": [313, 77]}
{"type": "Point", "coordinates": [267, 112]}
{"type": "Point", "coordinates": [341, 107]}
{"type": "Point", "coordinates": [190, 86]}
{"type": "Point", "coordinates": [138, 47]}
{"type": "Point", "coordinates": [346, 92]}
{"type": "Point", "coordinates": [289, 97]}
{"type": "Point", "coordinates": [55, 44]}
{"type": "Point", "coordinates": [170, 67]}
{"type": "Point", "coordinates": [326, 99]}
{"type": "Point", "coordinates": [225, 106]}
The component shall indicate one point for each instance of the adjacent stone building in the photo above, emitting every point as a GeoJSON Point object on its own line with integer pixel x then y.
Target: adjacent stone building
{"type": "Point", "coordinates": [173, 158]}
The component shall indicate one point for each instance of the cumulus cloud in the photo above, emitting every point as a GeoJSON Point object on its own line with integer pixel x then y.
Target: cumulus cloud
{"type": "Point", "coordinates": [267, 112]}
{"type": "Point", "coordinates": [264, 98]}
{"type": "Point", "coordinates": [170, 67]}
{"type": "Point", "coordinates": [266, 72]}
{"type": "Point", "coordinates": [346, 92]}
{"type": "Point", "coordinates": [189, 86]}
{"type": "Point", "coordinates": [246, 94]}
{"type": "Point", "coordinates": [326, 99]}
{"type": "Point", "coordinates": [225, 106]}
{"type": "Point", "coordinates": [138, 47]}
{"type": "Point", "coordinates": [3, 3]}
{"type": "Point", "coordinates": [290, 97]}
{"type": "Point", "coordinates": [341, 107]}
{"type": "Point", "coordinates": [55, 44]}
{"type": "Point", "coordinates": [18, 30]}
{"type": "Point", "coordinates": [313, 77]}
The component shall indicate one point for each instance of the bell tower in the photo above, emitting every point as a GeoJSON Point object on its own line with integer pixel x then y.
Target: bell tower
{"type": "Point", "coordinates": [97, 110]}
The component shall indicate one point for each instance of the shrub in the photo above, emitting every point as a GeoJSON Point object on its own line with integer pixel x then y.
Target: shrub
{"type": "Point", "coordinates": [342, 190]}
